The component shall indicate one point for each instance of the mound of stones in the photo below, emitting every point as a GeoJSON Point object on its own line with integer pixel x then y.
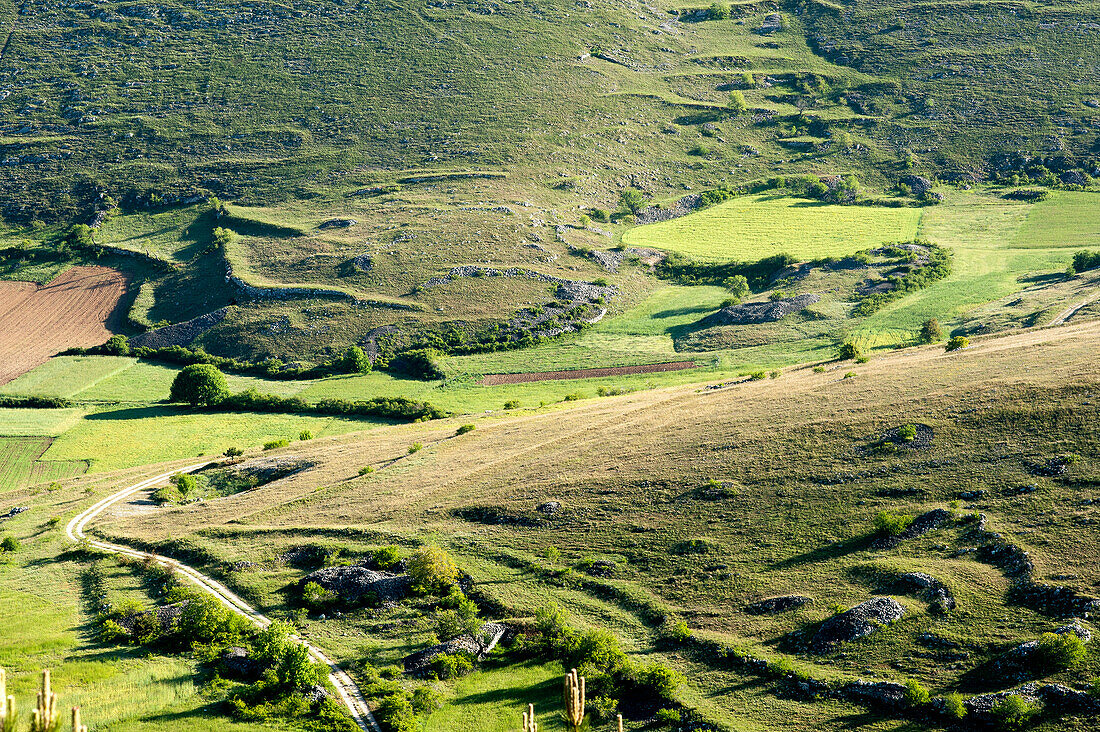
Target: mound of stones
{"type": "Point", "coordinates": [774, 605]}
{"type": "Point", "coordinates": [264, 470]}
{"type": "Point", "coordinates": [927, 588]}
{"type": "Point", "coordinates": [859, 622]}
{"type": "Point", "coordinates": [921, 525]}
{"type": "Point", "coordinates": [179, 334]}
{"type": "Point", "coordinates": [754, 313]}
{"type": "Point", "coordinates": [166, 616]}
{"type": "Point", "coordinates": [15, 512]}
{"type": "Point", "coordinates": [487, 637]}
{"type": "Point", "coordinates": [980, 707]}
{"type": "Point", "coordinates": [357, 584]}
{"type": "Point", "coordinates": [875, 693]}
{"type": "Point", "coordinates": [337, 224]}
{"type": "Point", "coordinates": [773, 23]}
{"type": "Point", "coordinates": [361, 263]}
{"type": "Point", "coordinates": [918, 184]}
{"type": "Point", "coordinates": [1016, 664]}
{"type": "Point", "coordinates": [684, 206]}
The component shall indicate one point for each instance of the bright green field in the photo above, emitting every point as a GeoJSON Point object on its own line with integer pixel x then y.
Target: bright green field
{"type": "Point", "coordinates": [167, 234]}
{"type": "Point", "coordinates": [752, 227]}
{"type": "Point", "coordinates": [1066, 219]}
{"type": "Point", "coordinates": [136, 436]}
{"type": "Point", "coordinates": [37, 422]}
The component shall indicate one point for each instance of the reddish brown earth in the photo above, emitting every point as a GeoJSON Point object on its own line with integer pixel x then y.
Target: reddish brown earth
{"type": "Point", "coordinates": [649, 368]}
{"type": "Point", "coordinates": [79, 307]}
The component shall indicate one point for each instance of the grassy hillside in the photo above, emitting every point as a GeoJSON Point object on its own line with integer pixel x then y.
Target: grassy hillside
{"type": "Point", "coordinates": [801, 484]}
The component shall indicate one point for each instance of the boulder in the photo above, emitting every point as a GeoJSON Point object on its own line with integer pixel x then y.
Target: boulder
{"type": "Point", "coordinates": [928, 588]}
{"type": "Point", "coordinates": [859, 622]}
{"type": "Point", "coordinates": [918, 184]}
{"type": "Point", "coordinates": [337, 224]}
{"type": "Point", "coordinates": [782, 604]}
{"type": "Point", "coordinates": [550, 508]}
{"type": "Point", "coordinates": [753, 313]}
{"type": "Point", "coordinates": [236, 663]}
{"type": "Point", "coordinates": [356, 584]}
{"type": "Point", "coordinates": [487, 637]}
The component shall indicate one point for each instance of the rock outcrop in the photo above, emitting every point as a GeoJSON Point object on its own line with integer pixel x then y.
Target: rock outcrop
{"type": "Point", "coordinates": [859, 622]}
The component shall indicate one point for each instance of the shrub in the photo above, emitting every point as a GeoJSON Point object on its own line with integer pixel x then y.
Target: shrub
{"type": "Point", "coordinates": [915, 694]}
{"type": "Point", "coordinates": [275, 444]}
{"type": "Point", "coordinates": [889, 523]}
{"type": "Point", "coordinates": [317, 597]}
{"type": "Point", "coordinates": [426, 700]}
{"type": "Point", "coordinates": [9, 544]}
{"type": "Point", "coordinates": [1013, 713]}
{"type": "Point", "coordinates": [758, 376]}
{"type": "Point", "coordinates": [659, 679]}
{"type": "Point", "coordinates": [199, 384]}
{"type": "Point", "coordinates": [930, 331]}
{"type": "Point", "coordinates": [718, 11]}
{"type": "Point", "coordinates": [418, 363]}
{"type": "Point", "coordinates": [850, 375]}
{"type": "Point", "coordinates": [693, 546]}
{"type": "Point", "coordinates": [366, 470]}
{"type": "Point", "coordinates": [445, 666]}
{"type": "Point", "coordinates": [631, 200]}
{"type": "Point", "coordinates": [464, 429]}
{"type": "Point", "coordinates": [599, 214]}
{"type": "Point", "coordinates": [574, 397]}
{"type": "Point", "coordinates": [354, 361]}
{"type": "Point", "coordinates": [1059, 652]}
{"type": "Point", "coordinates": [907, 432]}
{"type": "Point", "coordinates": [848, 352]}
{"type": "Point", "coordinates": [1084, 260]}
{"type": "Point", "coordinates": [774, 374]}
{"type": "Point", "coordinates": [676, 630]}
{"type": "Point", "coordinates": [953, 706]}
{"type": "Point", "coordinates": [386, 557]}
{"type": "Point", "coordinates": [305, 435]}
{"type": "Point", "coordinates": [667, 716]}
{"type": "Point", "coordinates": [511, 404]}
{"type": "Point", "coordinates": [819, 369]}
{"type": "Point", "coordinates": [602, 708]}
{"type": "Point", "coordinates": [957, 343]}
{"type": "Point", "coordinates": [415, 447]}
{"type": "Point", "coordinates": [395, 713]}
{"type": "Point", "coordinates": [117, 345]}
{"type": "Point", "coordinates": [737, 104]}
{"type": "Point", "coordinates": [738, 286]}
{"type": "Point", "coordinates": [432, 569]}
{"type": "Point", "coordinates": [233, 452]}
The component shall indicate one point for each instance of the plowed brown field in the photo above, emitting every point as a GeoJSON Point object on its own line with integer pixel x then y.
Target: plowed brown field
{"type": "Point", "coordinates": [79, 307]}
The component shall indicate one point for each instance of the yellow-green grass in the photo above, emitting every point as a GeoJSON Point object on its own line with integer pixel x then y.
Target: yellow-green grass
{"type": "Point", "coordinates": [20, 465]}
{"type": "Point", "coordinates": [38, 422]}
{"type": "Point", "coordinates": [177, 233]}
{"type": "Point", "coordinates": [120, 438]}
{"type": "Point", "coordinates": [748, 228]}
{"type": "Point", "coordinates": [65, 376]}
{"type": "Point", "coordinates": [493, 700]}
{"type": "Point", "coordinates": [1067, 219]}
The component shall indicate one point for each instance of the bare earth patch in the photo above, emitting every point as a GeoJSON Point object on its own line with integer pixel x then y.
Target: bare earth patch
{"type": "Point", "coordinates": [77, 308]}
{"type": "Point", "coordinates": [651, 368]}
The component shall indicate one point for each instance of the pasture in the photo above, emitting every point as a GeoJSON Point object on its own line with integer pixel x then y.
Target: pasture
{"type": "Point", "coordinates": [748, 228]}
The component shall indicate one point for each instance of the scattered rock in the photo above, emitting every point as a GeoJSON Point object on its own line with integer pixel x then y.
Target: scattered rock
{"type": "Point", "coordinates": [981, 705]}
{"type": "Point", "coordinates": [684, 206]}
{"type": "Point", "coordinates": [1053, 468]}
{"type": "Point", "coordinates": [166, 616]}
{"type": "Point", "coordinates": [487, 637]}
{"type": "Point", "coordinates": [875, 693]}
{"type": "Point", "coordinates": [927, 588]}
{"type": "Point", "coordinates": [774, 605]}
{"type": "Point", "coordinates": [773, 23]}
{"type": "Point", "coordinates": [361, 263]}
{"type": "Point", "coordinates": [860, 621]}
{"type": "Point", "coordinates": [754, 313]}
{"type": "Point", "coordinates": [357, 584]}
{"type": "Point", "coordinates": [337, 224]}
{"type": "Point", "coordinates": [601, 568]}
{"type": "Point", "coordinates": [918, 184]}
{"type": "Point", "coordinates": [550, 508]}
{"type": "Point", "coordinates": [179, 334]}
{"type": "Point", "coordinates": [1077, 629]}
{"type": "Point", "coordinates": [14, 512]}
{"type": "Point", "coordinates": [1064, 698]}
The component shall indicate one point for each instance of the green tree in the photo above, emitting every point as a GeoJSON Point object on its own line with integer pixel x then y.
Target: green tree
{"type": "Point", "coordinates": [738, 286]}
{"type": "Point", "coordinates": [718, 11]}
{"type": "Point", "coordinates": [631, 200]}
{"type": "Point", "coordinates": [737, 104]}
{"type": "Point", "coordinates": [930, 331]}
{"type": "Point", "coordinates": [117, 345]}
{"type": "Point", "coordinates": [432, 569]}
{"type": "Point", "coordinates": [9, 544]}
{"type": "Point", "coordinates": [199, 384]}
{"type": "Point", "coordinates": [354, 361]}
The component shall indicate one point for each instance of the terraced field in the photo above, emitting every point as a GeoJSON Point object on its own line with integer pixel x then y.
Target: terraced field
{"type": "Point", "coordinates": [21, 464]}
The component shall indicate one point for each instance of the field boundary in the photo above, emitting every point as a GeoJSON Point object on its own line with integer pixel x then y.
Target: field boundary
{"type": "Point", "coordinates": [525, 378]}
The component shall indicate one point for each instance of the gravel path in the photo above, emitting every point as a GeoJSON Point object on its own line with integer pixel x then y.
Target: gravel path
{"type": "Point", "coordinates": [346, 687]}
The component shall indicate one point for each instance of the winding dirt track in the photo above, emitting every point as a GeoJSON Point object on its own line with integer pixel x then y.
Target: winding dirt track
{"type": "Point", "coordinates": [346, 687]}
{"type": "Point", "coordinates": [76, 308]}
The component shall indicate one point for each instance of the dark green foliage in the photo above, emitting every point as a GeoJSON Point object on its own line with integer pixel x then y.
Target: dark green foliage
{"type": "Point", "coordinates": [631, 200]}
{"type": "Point", "coordinates": [1085, 260]}
{"type": "Point", "coordinates": [1013, 713]}
{"type": "Point", "coordinates": [317, 598]}
{"type": "Point", "coordinates": [758, 376]}
{"type": "Point", "coordinates": [386, 557]}
{"type": "Point", "coordinates": [276, 444]}
{"type": "Point", "coordinates": [848, 352]}
{"type": "Point", "coordinates": [9, 544]}
{"type": "Point", "coordinates": [1059, 652]}
{"type": "Point", "coordinates": [757, 274]}
{"type": "Point", "coordinates": [33, 402]}
{"type": "Point", "coordinates": [718, 11]}
{"type": "Point", "coordinates": [930, 331]}
{"type": "Point", "coordinates": [465, 429]}
{"type": "Point", "coordinates": [418, 363]}
{"type": "Point", "coordinates": [918, 277]}
{"type": "Point", "coordinates": [445, 666]}
{"type": "Point", "coordinates": [397, 408]}
{"type": "Point", "coordinates": [199, 385]}
{"type": "Point", "coordinates": [117, 345]}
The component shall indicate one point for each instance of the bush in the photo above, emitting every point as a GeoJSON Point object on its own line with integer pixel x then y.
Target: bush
{"type": "Point", "coordinates": [386, 557]}
{"type": "Point", "coordinates": [907, 432]}
{"type": "Point", "coordinates": [233, 452]}
{"type": "Point", "coordinates": [915, 694]}
{"type": "Point", "coordinates": [758, 376]}
{"type": "Point", "coordinates": [426, 700]}
{"type": "Point", "coordinates": [957, 343]}
{"type": "Point", "coordinates": [464, 429]}
{"type": "Point", "coordinates": [117, 345]}
{"type": "Point", "coordinates": [819, 369]}
{"type": "Point", "coordinates": [737, 104]}
{"type": "Point", "coordinates": [317, 597]}
{"type": "Point", "coordinates": [1059, 652]}
{"type": "Point", "coordinates": [631, 200]}
{"type": "Point", "coordinates": [658, 679]}
{"type": "Point", "coordinates": [930, 331]}
{"type": "Point", "coordinates": [9, 544]}
{"type": "Point", "coordinates": [953, 706]}
{"type": "Point", "coordinates": [1013, 713]}
{"type": "Point", "coordinates": [418, 363]}
{"type": "Point", "coordinates": [395, 713]}
{"type": "Point", "coordinates": [574, 397]}
{"type": "Point", "coordinates": [415, 447]}
{"type": "Point", "coordinates": [848, 352]}
{"type": "Point", "coordinates": [667, 716]}
{"type": "Point", "coordinates": [305, 435]}
{"type": "Point", "coordinates": [718, 11]}
{"type": "Point", "coordinates": [276, 444]}
{"type": "Point", "coordinates": [432, 569]}
{"type": "Point", "coordinates": [1083, 261]}
{"type": "Point", "coordinates": [889, 523]}
{"type": "Point", "coordinates": [693, 546]}
{"type": "Point", "coordinates": [445, 666]}
{"type": "Point", "coordinates": [511, 404]}
{"type": "Point", "coordinates": [199, 384]}
{"type": "Point", "coordinates": [354, 361]}
{"type": "Point", "coordinates": [366, 470]}
{"type": "Point", "coordinates": [599, 214]}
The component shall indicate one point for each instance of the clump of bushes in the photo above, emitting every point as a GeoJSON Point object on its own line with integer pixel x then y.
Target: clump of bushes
{"type": "Point", "coordinates": [1059, 652]}
{"type": "Point", "coordinates": [1013, 713]}
{"type": "Point", "coordinates": [275, 444]}
{"type": "Point", "coordinates": [957, 343]}
{"type": "Point", "coordinates": [1084, 260]}
{"type": "Point", "coordinates": [697, 545]}
{"type": "Point", "coordinates": [465, 429]}
{"type": "Point", "coordinates": [432, 570]}
{"type": "Point", "coordinates": [889, 523]}
{"type": "Point", "coordinates": [419, 364]}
